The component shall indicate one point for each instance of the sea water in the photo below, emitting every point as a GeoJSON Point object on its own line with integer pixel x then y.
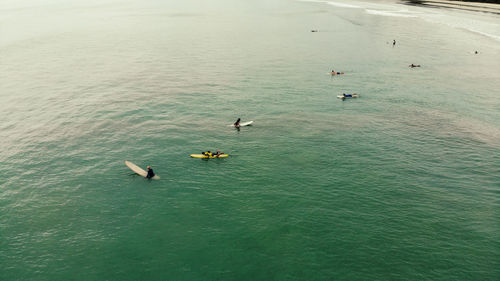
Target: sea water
{"type": "Point", "coordinates": [402, 183]}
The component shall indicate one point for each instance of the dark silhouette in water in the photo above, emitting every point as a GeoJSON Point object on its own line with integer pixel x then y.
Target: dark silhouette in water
{"type": "Point", "coordinates": [151, 174]}
{"type": "Point", "coordinates": [237, 123]}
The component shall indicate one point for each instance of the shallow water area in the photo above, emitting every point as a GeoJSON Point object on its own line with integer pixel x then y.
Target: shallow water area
{"type": "Point", "coordinates": [400, 183]}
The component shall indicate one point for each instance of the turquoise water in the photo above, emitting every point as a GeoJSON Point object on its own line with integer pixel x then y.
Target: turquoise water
{"type": "Point", "coordinates": [402, 183]}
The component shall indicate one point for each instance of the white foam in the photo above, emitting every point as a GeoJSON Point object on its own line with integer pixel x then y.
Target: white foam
{"type": "Point", "coordinates": [480, 26]}
{"type": "Point", "coordinates": [400, 13]}
{"type": "Point", "coordinates": [313, 1]}
{"type": "Point", "coordinates": [343, 5]}
{"type": "Point", "coordinates": [478, 23]}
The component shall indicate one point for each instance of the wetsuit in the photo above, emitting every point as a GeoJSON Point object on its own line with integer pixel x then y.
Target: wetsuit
{"type": "Point", "coordinates": [151, 174]}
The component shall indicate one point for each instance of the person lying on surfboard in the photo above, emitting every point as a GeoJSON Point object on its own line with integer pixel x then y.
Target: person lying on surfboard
{"type": "Point", "coordinates": [336, 73]}
{"type": "Point", "coordinates": [218, 153]}
{"type": "Point", "coordinates": [237, 123]}
{"type": "Point", "coordinates": [151, 174]}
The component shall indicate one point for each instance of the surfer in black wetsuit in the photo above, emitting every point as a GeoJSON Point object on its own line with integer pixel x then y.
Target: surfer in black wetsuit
{"type": "Point", "coordinates": [393, 43]}
{"type": "Point", "coordinates": [237, 123]}
{"type": "Point", "coordinates": [151, 174]}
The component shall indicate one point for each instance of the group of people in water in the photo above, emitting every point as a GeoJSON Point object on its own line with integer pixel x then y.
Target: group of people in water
{"type": "Point", "coordinates": [218, 153]}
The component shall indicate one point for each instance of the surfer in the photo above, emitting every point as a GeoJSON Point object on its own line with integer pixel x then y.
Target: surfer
{"type": "Point", "coordinates": [218, 153]}
{"type": "Point", "coordinates": [414, 65]}
{"type": "Point", "coordinates": [336, 73]}
{"type": "Point", "coordinates": [237, 123]}
{"type": "Point", "coordinates": [346, 96]}
{"type": "Point", "coordinates": [393, 43]}
{"type": "Point", "coordinates": [151, 174]}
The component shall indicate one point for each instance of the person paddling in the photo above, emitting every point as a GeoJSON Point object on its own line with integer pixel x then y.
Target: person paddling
{"type": "Point", "coordinates": [151, 174]}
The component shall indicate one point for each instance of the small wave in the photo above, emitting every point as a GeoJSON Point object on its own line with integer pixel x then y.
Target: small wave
{"type": "Point", "coordinates": [343, 5]}
{"type": "Point", "coordinates": [401, 13]}
{"type": "Point", "coordinates": [496, 37]}
{"type": "Point", "coordinates": [313, 1]}
{"type": "Point", "coordinates": [481, 27]}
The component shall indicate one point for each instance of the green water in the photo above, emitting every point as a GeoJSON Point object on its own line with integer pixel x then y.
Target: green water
{"type": "Point", "coordinates": [402, 183]}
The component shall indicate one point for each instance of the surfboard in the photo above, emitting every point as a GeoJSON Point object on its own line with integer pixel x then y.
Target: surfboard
{"type": "Point", "coordinates": [353, 96]}
{"type": "Point", "coordinates": [204, 156]}
{"type": "Point", "coordinates": [243, 124]}
{"type": "Point", "coordinates": [136, 169]}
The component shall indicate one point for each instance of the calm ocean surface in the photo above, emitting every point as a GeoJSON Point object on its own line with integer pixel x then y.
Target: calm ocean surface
{"type": "Point", "coordinates": [402, 183]}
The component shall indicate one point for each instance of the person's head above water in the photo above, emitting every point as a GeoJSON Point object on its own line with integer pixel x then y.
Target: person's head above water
{"type": "Point", "coordinates": [149, 167]}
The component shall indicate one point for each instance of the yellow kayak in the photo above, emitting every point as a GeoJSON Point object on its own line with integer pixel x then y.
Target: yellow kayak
{"type": "Point", "coordinates": [204, 156]}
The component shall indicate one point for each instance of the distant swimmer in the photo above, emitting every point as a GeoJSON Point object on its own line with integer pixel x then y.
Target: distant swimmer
{"type": "Point", "coordinates": [314, 30]}
{"type": "Point", "coordinates": [476, 52]}
{"type": "Point", "coordinates": [151, 174]}
{"type": "Point", "coordinates": [237, 123]}
{"type": "Point", "coordinates": [393, 43]}
{"type": "Point", "coordinates": [336, 73]}
{"type": "Point", "coordinates": [414, 65]}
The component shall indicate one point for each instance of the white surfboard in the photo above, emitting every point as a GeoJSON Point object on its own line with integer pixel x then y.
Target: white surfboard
{"type": "Point", "coordinates": [136, 169]}
{"type": "Point", "coordinates": [243, 124]}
